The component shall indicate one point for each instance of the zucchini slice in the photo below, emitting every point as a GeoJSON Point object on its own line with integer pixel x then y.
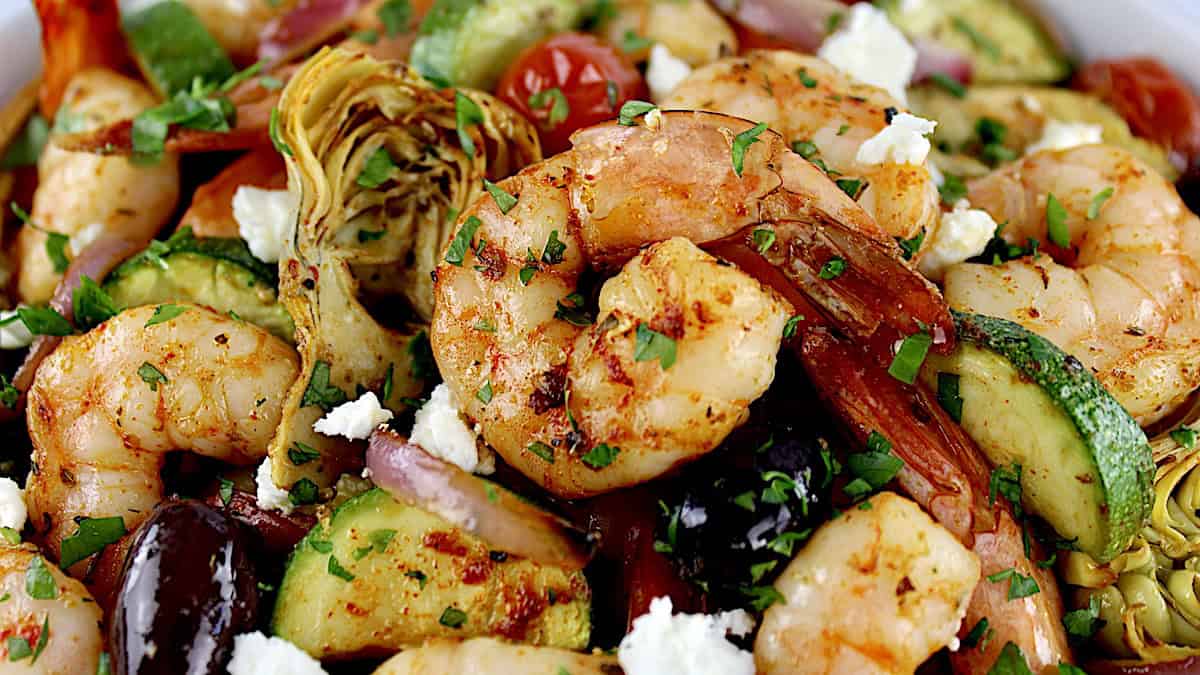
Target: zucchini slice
{"type": "Point", "coordinates": [469, 43]}
{"type": "Point", "coordinates": [1087, 467]}
{"type": "Point", "coordinates": [172, 48]}
{"type": "Point", "coordinates": [380, 575]}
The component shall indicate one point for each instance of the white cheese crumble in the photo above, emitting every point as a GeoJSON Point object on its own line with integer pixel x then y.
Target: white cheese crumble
{"type": "Point", "coordinates": [257, 654]}
{"type": "Point", "coordinates": [266, 219]}
{"type": "Point", "coordinates": [13, 332]}
{"type": "Point", "coordinates": [964, 233]}
{"type": "Point", "coordinates": [354, 420]}
{"type": "Point", "coordinates": [440, 430]}
{"type": "Point", "coordinates": [902, 142]}
{"type": "Point", "coordinates": [693, 516]}
{"type": "Point", "coordinates": [1058, 135]}
{"type": "Point", "coordinates": [685, 644]}
{"type": "Point", "coordinates": [84, 238]}
{"type": "Point", "coordinates": [12, 505]}
{"type": "Point", "coordinates": [869, 48]}
{"type": "Point", "coordinates": [270, 496]}
{"type": "Point", "coordinates": [664, 72]}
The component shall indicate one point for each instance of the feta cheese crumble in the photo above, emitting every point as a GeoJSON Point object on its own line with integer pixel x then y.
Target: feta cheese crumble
{"type": "Point", "coordinates": [270, 496]}
{"type": "Point", "coordinates": [664, 72]}
{"type": "Point", "coordinates": [440, 430]}
{"type": "Point", "coordinates": [1058, 135]}
{"type": "Point", "coordinates": [257, 654]}
{"type": "Point", "coordinates": [266, 219]}
{"type": "Point", "coordinates": [13, 332]}
{"type": "Point", "coordinates": [12, 505]}
{"type": "Point", "coordinates": [964, 233]}
{"type": "Point", "coordinates": [902, 142]}
{"type": "Point", "coordinates": [354, 420]}
{"type": "Point", "coordinates": [685, 644]}
{"type": "Point", "coordinates": [869, 48]}
{"type": "Point", "coordinates": [84, 238]}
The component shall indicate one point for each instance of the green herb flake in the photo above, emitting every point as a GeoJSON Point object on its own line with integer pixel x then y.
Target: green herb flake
{"type": "Point", "coordinates": [225, 490]}
{"type": "Point", "coordinates": [1082, 624]}
{"type": "Point", "coordinates": [485, 393]}
{"type": "Point", "coordinates": [910, 247]}
{"type": "Point", "coordinates": [335, 568]}
{"type": "Point", "coordinates": [1011, 661]}
{"type": "Point", "coordinates": [1097, 203]}
{"type": "Point", "coordinates": [320, 546]}
{"type": "Point", "coordinates": [974, 637]}
{"type": "Point", "coordinates": [319, 392]}
{"type": "Point", "coordinates": [742, 143]}
{"type": "Point", "coordinates": [745, 500]}
{"type": "Point", "coordinates": [650, 345]}
{"type": "Point", "coordinates": [632, 110]}
{"type": "Point", "coordinates": [786, 542]}
{"type": "Point", "coordinates": [9, 394]}
{"type": "Point", "coordinates": [949, 84]}
{"type": "Point", "coordinates": [151, 376]}
{"type": "Point", "coordinates": [541, 450]}
{"type": "Point", "coordinates": [1006, 481]}
{"type": "Point", "coordinates": [553, 253]}
{"type": "Point", "coordinates": [572, 310]}
{"type": "Point", "coordinates": [43, 639]}
{"type": "Point", "coordinates": [18, 648]}
{"type": "Point", "coordinates": [300, 454]}
{"type": "Point", "coordinates": [419, 576]}
{"type": "Point", "coordinates": [1056, 222]}
{"type": "Point", "coordinates": [853, 187]}
{"type": "Point", "coordinates": [560, 109]}
{"type": "Point", "coordinates": [1019, 585]}
{"type": "Point", "coordinates": [832, 269]}
{"type": "Point", "coordinates": [907, 362]}
{"type": "Point", "coordinates": [948, 395]}
{"type": "Point", "coordinates": [452, 617]}
{"type": "Point", "coordinates": [395, 15]}
{"type": "Point", "coordinates": [44, 321]}
{"type": "Point", "coordinates": [466, 115]}
{"type": "Point", "coordinates": [806, 149]}
{"type": "Point", "coordinates": [273, 131]}
{"type": "Point", "coordinates": [420, 351]}
{"type": "Point", "coordinates": [806, 79]}
{"type": "Point", "coordinates": [270, 83]}
{"type": "Point", "coordinates": [601, 456]}
{"type": "Point", "coordinates": [1185, 437]}
{"type": "Point", "coordinates": [91, 305]}
{"type": "Point", "coordinates": [39, 583]}
{"type": "Point", "coordinates": [1068, 669]}
{"type": "Point", "coordinates": [632, 42]}
{"type": "Point", "coordinates": [503, 200]}
{"type": "Point", "coordinates": [764, 239]}
{"type": "Point", "coordinates": [762, 597]}
{"type": "Point", "coordinates": [10, 536]}
{"type": "Point", "coordinates": [164, 313]}
{"type": "Point", "coordinates": [952, 190]}
{"type": "Point", "coordinates": [26, 149]}
{"type": "Point", "coordinates": [376, 170]}
{"type": "Point", "coordinates": [92, 535]}
{"type": "Point", "coordinates": [790, 326]}
{"type": "Point", "coordinates": [303, 491]}
{"type": "Point", "coordinates": [760, 570]}
{"type": "Point", "coordinates": [366, 236]}
{"type": "Point", "coordinates": [458, 248]}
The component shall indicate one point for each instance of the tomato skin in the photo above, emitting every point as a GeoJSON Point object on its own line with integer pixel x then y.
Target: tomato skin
{"type": "Point", "coordinates": [580, 66]}
{"type": "Point", "coordinates": [1156, 104]}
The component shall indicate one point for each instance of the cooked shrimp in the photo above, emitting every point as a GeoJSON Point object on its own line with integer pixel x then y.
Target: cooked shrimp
{"type": "Point", "coordinates": [683, 344]}
{"type": "Point", "coordinates": [67, 614]}
{"type": "Point", "coordinates": [106, 407]}
{"type": "Point", "coordinates": [488, 656]}
{"type": "Point", "coordinates": [875, 591]}
{"type": "Point", "coordinates": [1121, 297]}
{"type": "Point", "coordinates": [806, 99]}
{"type": "Point", "coordinates": [237, 24]}
{"type": "Point", "coordinates": [80, 192]}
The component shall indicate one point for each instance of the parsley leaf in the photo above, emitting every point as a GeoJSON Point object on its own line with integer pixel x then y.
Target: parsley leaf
{"type": "Point", "coordinates": [395, 15]}
{"type": "Point", "coordinates": [26, 149]}
{"type": "Point", "coordinates": [335, 568]}
{"type": "Point", "coordinates": [164, 313]}
{"type": "Point", "coordinates": [151, 375]}
{"type": "Point", "coordinates": [485, 393]}
{"type": "Point", "coordinates": [1082, 624]}
{"type": "Point", "coordinates": [650, 344]}
{"type": "Point", "coordinates": [764, 238]}
{"type": "Point", "coordinates": [789, 327]}
{"type": "Point", "coordinates": [1006, 481]}
{"type": "Point", "coordinates": [542, 450]}
{"type": "Point", "coordinates": [458, 248]}
{"type": "Point", "coordinates": [949, 84]}
{"type": "Point", "coordinates": [319, 392]}
{"type": "Point", "coordinates": [92, 306]}
{"type": "Point", "coordinates": [553, 253]}
{"type": "Point", "coordinates": [952, 189]}
{"type": "Point", "coordinates": [854, 187]}
{"type": "Point", "coordinates": [1056, 222]}
{"type": "Point", "coordinates": [273, 130]}
{"type": "Point", "coordinates": [559, 108]}
{"type": "Point", "coordinates": [300, 454]}
{"type": "Point", "coordinates": [91, 538]}
{"type": "Point", "coordinates": [632, 42]}
{"type": "Point", "coordinates": [504, 201]}
{"type": "Point", "coordinates": [1019, 585]}
{"type": "Point", "coordinates": [225, 490]}
{"type": "Point", "coordinates": [466, 114]}
{"type": "Point", "coordinates": [742, 142]}
{"type": "Point", "coordinates": [832, 269]}
{"type": "Point", "coordinates": [44, 321]}
{"type": "Point", "coordinates": [948, 395]}
{"type": "Point", "coordinates": [907, 362]}
{"type": "Point", "coordinates": [632, 110]}
{"type": "Point", "coordinates": [762, 597]}
{"type": "Point", "coordinates": [1097, 203]}
{"type": "Point", "coordinates": [452, 617]}
{"type": "Point", "coordinates": [976, 635]}
{"type": "Point", "coordinates": [909, 247]}
{"type": "Point", "coordinates": [601, 456]}
{"type": "Point", "coordinates": [1011, 661]}
{"type": "Point", "coordinates": [1185, 437]}
{"type": "Point", "coordinates": [376, 170]}
{"type": "Point", "coordinates": [39, 583]}
{"type": "Point", "coordinates": [419, 576]}
{"type": "Point", "coordinates": [303, 491]}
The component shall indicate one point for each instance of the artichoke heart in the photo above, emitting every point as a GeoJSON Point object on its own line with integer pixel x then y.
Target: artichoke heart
{"type": "Point", "coordinates": [373, 151]}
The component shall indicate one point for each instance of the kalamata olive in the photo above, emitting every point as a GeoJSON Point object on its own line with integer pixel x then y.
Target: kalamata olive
{"type": "Point", "coordinates": [188, 587]}
{"type": "Point", "coordinates": [738, 515]}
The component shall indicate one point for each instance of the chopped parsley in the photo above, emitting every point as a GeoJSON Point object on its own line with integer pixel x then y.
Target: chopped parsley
{"type": "Point", "coordinates": [458, 248]}
{"type": "Point", "coordinates": [649, 345]}
{"type": "Point", "coordinates": [1097, 203]}
{"type": "Point", "coordinates": [1011, 661]}
{"type": "Point", "coordinates": [762, 597]}
{"type": "Point", "coordinates": [601, 456]}
{"type": "Point", "coordinates": [303, 491]}
{"type": "Point", "coordinates": [742, 143]}
{"type": "Point", "coordinates": [552, 254]}
{"type": "Point", "coordinates": [949, 84]}
{"type": "Point", "coordinates": [452, 617]}
{"type": "Point", "coordinates": [764, 239]}
{"type": "Point", "coordinates": [376, 169]}
{"type": "Point", "coordinates": [39, 583]}
{"type": "Point", "coordinates": [44, 321]}
{"type": "Point", "coordinates": [192, 109]}
{"type": "Point", "coordinates": [335, 568]}
{"type": "Point", "coordinates": [301, 454]}
{"type": "Point", "coordinates": [948, 395]}
{"type": "Point", "coordinates": [273, 130]}
{"type": "Point", "coordinates": [854, 187]}
{"type": "Point", "coordinates": [1006, 481]}
{"type": "Point", "coordinates": [632, 42]}
{"type": "Point", "coordinates": [18, 648]}
{"type": "Point", "coordinates": [1185, 437]}
{"type": "Point", "coordinates": [151, 376]}
{"type": "Point", "coordinates": [164, 313]}
{"type": "Point", "coordinates": [395, 15]}
{"type": "Point", "coordinates": [746, 501]}
{"type": "Point", "coordinates": [832, 269]}
{"type": "Point", "coordinates": [908, 359]}
{"type": "Point", "coordinates": [1056, 222]}
{"type": "Point", "coordinates": [977, 636]}
{"type": "Point", "coordinates": [26, 148]}
{"type": "Point", "coordinates": [92, 535]}
{"type": "Point", "coordinates": [789, 327]}
{"type": "Point", "coordinates": [1082, 624]}
{"type": "Point", "coordinates": [10, 536]}
{"type": "Point", "coordinates": [1019, 585]}
{"type": "Point", "coordinates": [225, 490]}
{"type": "Point", "coordinates": [9, 394]}
{"type": "Point", "coordinates": [559, 108]}
{"type": "Point", "coordinates": [909, 247]}
{"type": "Point", "coordinates": [571, 309]}
{"type": "Point", "coordinates": [806, 79]}
{"type": "Point", "coordinates": [365, 236]}
{"type": "Point", "coordinates": [541, 450]}
{"type": "Point", "coordinates": [503, 200]}
{"type": "Point", "coordinates": [466, 115]}
{"type": "Point", "coordinates": [806, 149]}
{"type": "Point", "coordinates": [991, 133]}
{"type": "Point", "coordinates": [421, 352]}
{"type": "Point", "coordinates": [91, 305]}
{"type": "Point", "coordinates": [419, 576]}
{"type": "Point", "coordinates": [320, 392]}
{"type": "Point", "coordinates": [760, 570]}
{"type": "Point", "coordinates": [56, 242]}
{"type": "Point", "coordinates": [485, 393]}
{"type": "Point", "coordinates": [786, 542]}
{"type": "Point", "coordinates": [632, 110]}
{"type": "Point", "coordinates": [952, 189]}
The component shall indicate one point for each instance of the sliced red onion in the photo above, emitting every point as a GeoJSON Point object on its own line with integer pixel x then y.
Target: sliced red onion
{"type": "Point", "coordinates": [308, 25]}
{"type": "Point", "coordinates": [95, 262]}
{"type": "Point", "coordinates": [495, 515]}
{"type": "Point", "coordinates": [934, 57]}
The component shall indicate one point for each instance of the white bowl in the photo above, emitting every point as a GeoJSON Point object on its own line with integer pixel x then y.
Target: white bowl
{"type": "Point", "coordinates": [1166, 29]}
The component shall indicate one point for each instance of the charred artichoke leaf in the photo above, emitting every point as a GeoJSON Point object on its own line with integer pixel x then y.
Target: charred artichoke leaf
{"type": "Point", "coordinates": [372, 151]}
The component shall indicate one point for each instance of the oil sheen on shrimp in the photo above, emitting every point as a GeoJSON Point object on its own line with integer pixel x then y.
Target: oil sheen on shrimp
{"type": "Point", "coordinates": [106, 407]}
{"type": "Point", "coordinates": [1121, 296]}
{"type": "Point", "coordinates": [70, 619]}
{"type": "Point", "coordinates": [806, 99]}
{"type": "Point", "coordinates": [558, 387]}
{"type": "Point", "coordinates": [875, 591]}
{"type": "Point", "coordinates": [79, 192]}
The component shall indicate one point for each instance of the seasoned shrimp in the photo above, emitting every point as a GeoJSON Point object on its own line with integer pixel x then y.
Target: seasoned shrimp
{"type": "Point", "coordinates": [106, 407]}
{"type": "Point", "coordinates": [1121, 296]}
{"type": "Point", "coordinates": [66, 614]}
{"type": "Point", "coordinates": [683, 343]}
{"type": "Point", "coordinates": [875, 591]}
{"type": "Point", "coordinates": [807, 100]}
{"type": "Point", "coordinates": [488, 656]}
{"type": "Point", "coordinates": [83, 195]}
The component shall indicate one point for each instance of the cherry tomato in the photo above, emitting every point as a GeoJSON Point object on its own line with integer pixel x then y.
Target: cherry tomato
{"type": "Point", "coordinates": [1155, 103]}
{"type": "Point", "coordinates": [567, 82]}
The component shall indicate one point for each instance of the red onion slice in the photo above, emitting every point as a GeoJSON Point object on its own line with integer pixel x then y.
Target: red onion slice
{"type": "Point", "coordinates": [308, 25]}
{"type": "Point", "coordinates": [495, 515]}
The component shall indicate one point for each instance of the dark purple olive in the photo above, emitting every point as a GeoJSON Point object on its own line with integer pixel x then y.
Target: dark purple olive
{"type": "Point", "coordinates": [188, 587]}
{"type": "Point", "coordinates": [734, 518]}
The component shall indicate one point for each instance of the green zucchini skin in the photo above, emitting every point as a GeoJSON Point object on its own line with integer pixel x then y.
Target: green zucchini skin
{"type": "Point", "coordinates": [1109, 442]}
{"type": "Point", "coordinates": [172, 48]}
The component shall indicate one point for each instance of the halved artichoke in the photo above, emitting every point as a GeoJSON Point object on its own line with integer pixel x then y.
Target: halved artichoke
{"type": "Point", "coordinates": [369, 232]}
